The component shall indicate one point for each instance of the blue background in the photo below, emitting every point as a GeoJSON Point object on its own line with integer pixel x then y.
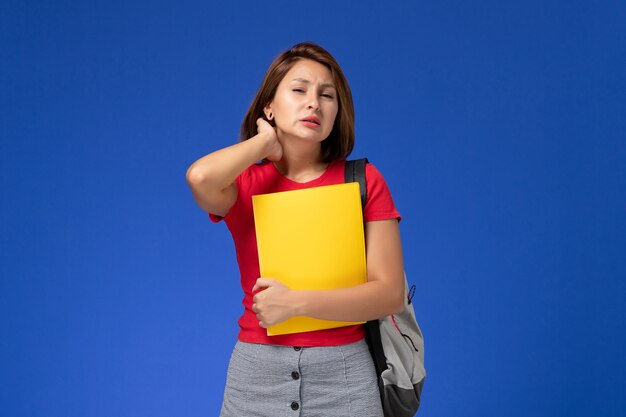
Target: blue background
{"type": "Point", "coordinates": [500, 127]}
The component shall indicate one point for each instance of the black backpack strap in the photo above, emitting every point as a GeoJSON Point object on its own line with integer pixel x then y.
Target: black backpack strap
{"type": "Point", "coordinates": [355, 172]}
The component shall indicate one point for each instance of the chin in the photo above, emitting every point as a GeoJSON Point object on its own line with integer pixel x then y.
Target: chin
{"type": "Point", "coordinates": [305, 136]}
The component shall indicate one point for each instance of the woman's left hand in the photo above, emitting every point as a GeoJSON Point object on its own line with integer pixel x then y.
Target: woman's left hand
{"type": "Point", "coordinates": [273, 303]}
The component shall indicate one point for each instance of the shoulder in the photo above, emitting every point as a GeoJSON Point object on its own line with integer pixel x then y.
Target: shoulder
{"type": "Point", "coordinates": [380, 205]}
{"type": "Point", "coordinates": [251, 181]}
{"type": "Point", "coordinates": [372, 173]}
{"type": "Point", "coordinates": [375, 179]}
{"type": "Point", "coordinates": [255, 173]}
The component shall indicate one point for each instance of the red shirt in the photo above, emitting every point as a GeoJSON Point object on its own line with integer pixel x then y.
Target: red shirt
{"type": "Point", "coordinates": [263, 179]}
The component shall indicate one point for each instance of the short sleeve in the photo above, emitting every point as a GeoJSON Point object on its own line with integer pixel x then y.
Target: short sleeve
{"type": "Point", "coordinates": [379, 205]}
{"type": "Point", "coordinates": [215, 218]}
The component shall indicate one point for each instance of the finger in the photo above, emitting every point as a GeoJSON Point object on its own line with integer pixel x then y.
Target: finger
{"type": "Point", "coordinates": [261, 283]}
{"type": "Point", "coordinates": [261, 324]}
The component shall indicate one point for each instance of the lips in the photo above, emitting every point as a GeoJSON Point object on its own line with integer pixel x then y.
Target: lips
{"type": "Point", "coordinates": [311, 119]}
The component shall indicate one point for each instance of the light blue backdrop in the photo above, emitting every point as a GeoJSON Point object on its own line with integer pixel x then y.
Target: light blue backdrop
{"type": "Point", "coordinates": [500, 127]}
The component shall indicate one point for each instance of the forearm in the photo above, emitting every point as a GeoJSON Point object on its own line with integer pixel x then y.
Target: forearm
{"type": "Point", "coordinates": [218, 170]}
{"type": "Point", "coordinates": [381, 295]}
{"type": "Point", "coordinates": [368, 301]}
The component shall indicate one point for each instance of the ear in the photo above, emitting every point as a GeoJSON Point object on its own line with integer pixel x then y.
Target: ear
{"type": "Point", "coordinates": [268, 111]}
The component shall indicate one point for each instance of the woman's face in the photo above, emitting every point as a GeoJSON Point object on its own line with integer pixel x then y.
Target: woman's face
{"type": "Point", "coordinates": [305, 104]}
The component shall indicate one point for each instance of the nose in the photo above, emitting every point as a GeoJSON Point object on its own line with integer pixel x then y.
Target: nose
{"type": "Point", "coordinates": [313, 101]}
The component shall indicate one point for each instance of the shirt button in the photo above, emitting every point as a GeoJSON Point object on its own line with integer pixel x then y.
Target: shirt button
{"type": "Point", "coordinates": [294, 406]}
{"type": "Point", "coordinates": [297, 348]}
{"type": "Point", "coordinates": [295, 375]}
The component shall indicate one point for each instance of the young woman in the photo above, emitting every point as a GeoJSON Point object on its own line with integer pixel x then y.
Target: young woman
{"type": "Point", "coordinates": [301, 126]}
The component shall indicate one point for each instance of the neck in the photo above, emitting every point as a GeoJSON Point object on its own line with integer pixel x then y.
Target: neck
{"type": "Point", "coordinates": [301, 164]}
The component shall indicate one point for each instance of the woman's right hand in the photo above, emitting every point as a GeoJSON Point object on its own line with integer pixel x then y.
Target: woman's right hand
{"type": "Point", "coordinates": [275, 149]}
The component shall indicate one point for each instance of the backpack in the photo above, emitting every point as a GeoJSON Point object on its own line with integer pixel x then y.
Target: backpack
{"type": "Point", "coordinates": [396, 342]}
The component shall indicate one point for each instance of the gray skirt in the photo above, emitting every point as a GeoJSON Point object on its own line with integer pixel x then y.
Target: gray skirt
{"type": "Point", "coordinates": [275, 381]}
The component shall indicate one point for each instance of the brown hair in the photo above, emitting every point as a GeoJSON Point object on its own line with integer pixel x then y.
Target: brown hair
{"type": "Point", "coordinates": [340, 141]}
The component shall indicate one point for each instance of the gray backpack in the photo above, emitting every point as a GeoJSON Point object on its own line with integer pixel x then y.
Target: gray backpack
{"type": "Point", "coordinates": [396, 342]}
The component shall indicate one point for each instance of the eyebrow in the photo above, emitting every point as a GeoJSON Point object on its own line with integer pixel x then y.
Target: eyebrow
{"type": "Point", "coordinates": [305, 81]}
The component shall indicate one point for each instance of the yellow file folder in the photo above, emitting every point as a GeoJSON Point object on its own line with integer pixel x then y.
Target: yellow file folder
{"type": "Point", "coordinates": [311, 239]}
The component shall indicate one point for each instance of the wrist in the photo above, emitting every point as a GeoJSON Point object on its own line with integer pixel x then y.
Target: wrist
{"type": "Point", "coordinates": [267, 141]}
{"type": "Point", "coordinates": [265, 138]}
{"type": "Point", "coordinates": [299, 302]}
